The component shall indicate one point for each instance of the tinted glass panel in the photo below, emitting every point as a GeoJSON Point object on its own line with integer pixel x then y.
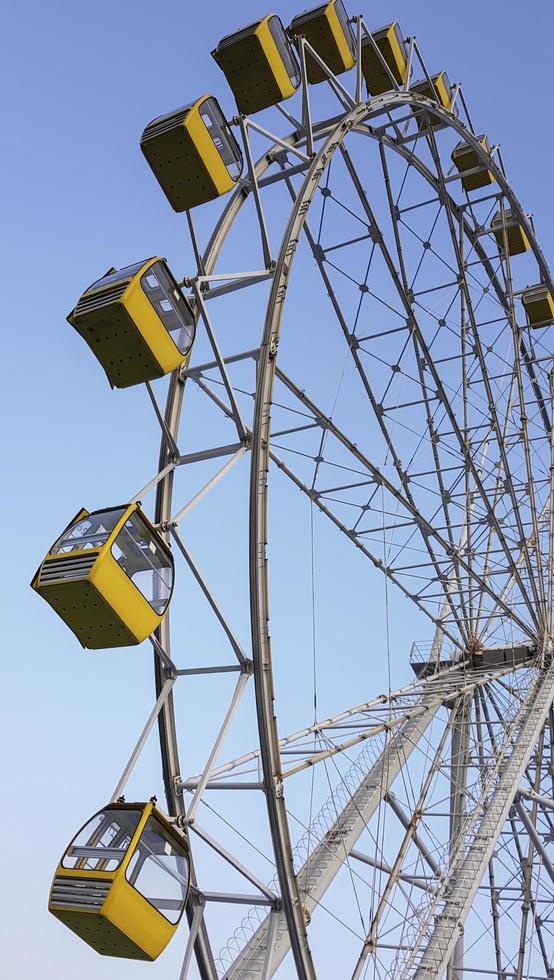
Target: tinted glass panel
{"type": "Point", "coordinates": [102, 843]}
{"type": "Point", "coordinates": [127, 273]}
{"type": "Point", "coordinates": [508, 218]}
{"type": "Point", "coordinates": [145, 561]}
{"type": "Point", "coordinates": [169, 305]}
{"type": "Point", "coordinates": [159, 870]}
{"type": "Point", "coordinates": [167, 116]}
{"type": "Point", "coordinates": [284, 48]}
{"type": "Point", "coordinates": [237, 35]}
{"type": "Point", "coordinates": [90, 532]}
{"type": "Point", "coordinates": [345, 24]}
{"type": "Point", "coordinates": [223, 139]}
{"type": "Point", "coordinates": [310, 14]}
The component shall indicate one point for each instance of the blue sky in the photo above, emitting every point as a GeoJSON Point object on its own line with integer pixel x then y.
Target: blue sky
{"type": "Point", "coordinates": [77, 197]}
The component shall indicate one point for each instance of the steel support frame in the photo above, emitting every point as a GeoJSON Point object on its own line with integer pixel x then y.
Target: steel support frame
{"type": "Point", "coordinates": [258, 530]}
{"type": "Point", "coordinates": [458, 788]}
{"type": "Point", "coordinates": [469, 233]}
{"type": "Point", "coordinates": [166, 718]}
{"type": "Point", "coordinates": [406, 502]}
{"type": "Point", "coordinates": [419, 339]}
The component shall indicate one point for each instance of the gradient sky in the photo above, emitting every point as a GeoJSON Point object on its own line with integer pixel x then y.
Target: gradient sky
{"type": "Point", "coordinates": [80, 82]}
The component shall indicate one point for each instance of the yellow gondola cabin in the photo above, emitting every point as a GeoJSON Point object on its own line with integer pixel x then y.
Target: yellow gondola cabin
{"type": "Point", "coordinates": [109, 577]}
{"type": "Point", "coordinates": [439, 91]}
{"type": "Point", "coordinates": [136, 322]}
{"type": "Point", "coordinates": [328, 30]}
{"type": "Point", "coordinates": [192, 153]}
{"type": "Point", "coordinates": [123, 882]}
{"type": "Point", "coordinates": [392, 48]}
{"type": "Point", "coordinates": [516, 237]}
{"type": "Point", "coordinates": [260, 64]}
{"type": "Point", "coordinates": [465, 158]}
{"type": "Point", "coordinates": [538, 304]}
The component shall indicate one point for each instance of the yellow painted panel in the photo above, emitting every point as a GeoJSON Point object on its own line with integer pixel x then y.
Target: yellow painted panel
{"type": "Point", "coordinates": [215, 168]}
{"type": "Point", "coordinates": [130, 912]}
{"type": "Point", "coordinates": [124, 598]}
{"type": "Point", "coordinates": [442, 89]}
{"type": "Point", "coordinates": [151, 328]}
{"type": "Point", "coordinates": [274, 59]}
{"type": "Point", "coordinates": [345, 53]}
{"type": "Point", "coordinates": [79, 873]}
{"type": "Point", "coordinates": [119, 591]}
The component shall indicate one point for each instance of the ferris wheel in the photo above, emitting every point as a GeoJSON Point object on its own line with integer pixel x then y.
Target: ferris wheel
{"type": "Point", "coordinates": [357, 434]}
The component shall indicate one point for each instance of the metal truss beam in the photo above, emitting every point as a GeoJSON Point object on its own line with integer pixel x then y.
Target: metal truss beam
{"type": "Point", "coordinates": [338, 843]}
{"type": "Point", "coordinates": [447, 915]}
{"type": "Point", "coordinates": [328, 857]}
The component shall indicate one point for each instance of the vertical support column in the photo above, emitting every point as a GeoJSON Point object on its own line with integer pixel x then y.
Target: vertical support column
{"type": "Point", "coordinates": [306, 110]}
{"type": "Point", "coordinates": [550, 590]}
{"type": "Point", "coordinates": [198, 905]}
{"type": "Point", "coordinates": [458, 781]}
{"type": "Point", "coordinates": [358, 21]}
{"type": "Point", "coordinates": [266, 249]}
